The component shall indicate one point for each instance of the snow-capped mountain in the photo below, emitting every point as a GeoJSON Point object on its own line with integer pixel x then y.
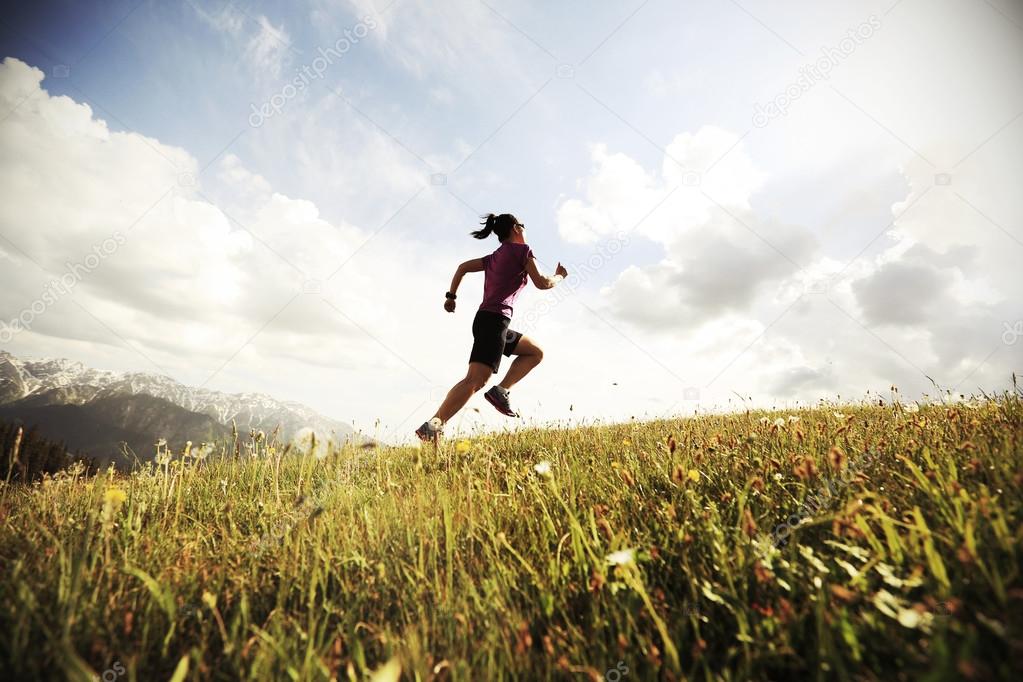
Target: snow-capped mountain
{"type": "Point", "coordinates": [43, 382]}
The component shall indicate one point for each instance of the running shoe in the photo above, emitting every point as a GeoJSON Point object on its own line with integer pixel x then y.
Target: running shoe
{"type": "Point", "coordinates": [498, 397]}
{"type": "Point", "coordinates": [431, 431]}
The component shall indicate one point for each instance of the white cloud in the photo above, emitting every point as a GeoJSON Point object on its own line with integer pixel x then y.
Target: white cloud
{"type": "Point", "coordinates": [191, 280]}
{"type": "Point", "coordinates": [926, 299]}
{"type": "Point", "coordinates": [268, 47]}
{"type": "Point", "coordinates": [227, 19]}
{"type": "Point", "coordinates": [718, 253]}
{"type": "Point", "coordinates": [265, 46]}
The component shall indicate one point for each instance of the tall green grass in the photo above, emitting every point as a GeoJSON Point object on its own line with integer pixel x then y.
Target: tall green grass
{"type": "Point", "coordinates": [636, 551]}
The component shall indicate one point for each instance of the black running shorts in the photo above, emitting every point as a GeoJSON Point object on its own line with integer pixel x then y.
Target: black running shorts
{"type": "Point", "coordinates": [491, 337]}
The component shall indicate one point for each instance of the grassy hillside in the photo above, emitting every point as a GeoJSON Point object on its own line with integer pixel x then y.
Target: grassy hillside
{"type": "Point", "coordinates": [870, 543]}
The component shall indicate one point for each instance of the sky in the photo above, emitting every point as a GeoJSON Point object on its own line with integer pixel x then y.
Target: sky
{"type": "Point", "coordinates": [759, 203]}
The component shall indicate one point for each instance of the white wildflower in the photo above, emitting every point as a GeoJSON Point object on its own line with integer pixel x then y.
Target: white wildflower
{"type": "Point", "coordinates": [542, 469]}
{"type": "Point", "coordinates": [622, 557]}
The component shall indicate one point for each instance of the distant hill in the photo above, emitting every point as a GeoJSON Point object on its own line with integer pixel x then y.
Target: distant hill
{"type": "Point", "coordinates": [95, 411]}
{"type": "Point", "coordinates": [106, 426]}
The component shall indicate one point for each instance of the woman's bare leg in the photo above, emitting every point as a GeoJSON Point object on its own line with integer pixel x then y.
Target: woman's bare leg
{"type": "Point", "coordinates": [475, 379]}
{"type": "Point", "coordinates": [527, 356]}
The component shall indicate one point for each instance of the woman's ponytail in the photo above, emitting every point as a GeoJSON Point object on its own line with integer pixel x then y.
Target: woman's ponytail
{"type": "Point", "coordinates": [488, 221]}
{"type": "Point", "coordinates": [501, 225]}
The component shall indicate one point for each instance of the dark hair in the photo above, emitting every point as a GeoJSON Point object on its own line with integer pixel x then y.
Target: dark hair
{"type": "Point", "coordinates": [501, 225]}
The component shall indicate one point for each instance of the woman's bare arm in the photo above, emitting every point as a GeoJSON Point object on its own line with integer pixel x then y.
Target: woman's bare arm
{"type": "Point", "coordinates": [474, 265]}
{"type": "Point", "coordinates": [542, 281]}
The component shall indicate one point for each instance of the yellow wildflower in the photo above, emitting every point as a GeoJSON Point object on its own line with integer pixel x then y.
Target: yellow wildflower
{"type": "Point", "coordinates": [463, 447]}
{"type": "Point", "coordinates": [694, 475]}
{"type": "Point", "coordinates": [114, 497]}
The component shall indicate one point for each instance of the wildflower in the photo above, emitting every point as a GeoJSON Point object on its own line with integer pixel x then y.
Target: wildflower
{"type": "Point", "coordinates": [838, 415]}
{"type": "Point", "coordinates": [793, 419]}
{"type": "Point", "coordinates": [836, 457]}
{"type": "Point", "coordinates": [805, 468]}
{"type": "Point", "coordinates": [622, 557]}
{"type": "Point", "coordinates": [910, 618]}
{"type": "Point", "coordinates": [162, 443]}
{"type": "Point", "coordinates": [693, 475]}
{"type": "Point", "coordinates": [463, 447]}
{"type": "Point", "coordinates": [843, 594]}
{"type": "Point", "coordinates": [542, 469]}
{"type": "Point", "coordinates": [764, 420]}
{"type": "Point", "coordinates": [628, 478]}
{"type": "Point", "coordinates": [779, 423]}
{"type": "Point", "coordinates": [912, 408]}
{"type": "Point", "coordinates": [749, 525]}
{"type": "Point", "coordinates": [626, 442]}
{"type": "Point", "coordinates": [114, 497]}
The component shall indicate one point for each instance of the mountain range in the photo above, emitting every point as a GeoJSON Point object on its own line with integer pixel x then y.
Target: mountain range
{"type": "Point", "coordinates": [101, 412]}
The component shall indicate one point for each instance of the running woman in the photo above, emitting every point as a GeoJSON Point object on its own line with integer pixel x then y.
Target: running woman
{"type": "Point", "coordinates": [504, 276]}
